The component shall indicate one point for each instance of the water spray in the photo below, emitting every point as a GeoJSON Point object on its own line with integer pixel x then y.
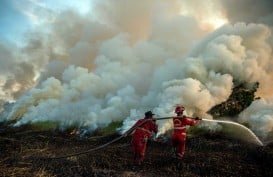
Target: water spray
{"type": "Point", "coordinates": [129, 132]}
{"type": "Point", "coordinates": [242, 127]}
{"type": "Point", "coordinates": [257, 140]}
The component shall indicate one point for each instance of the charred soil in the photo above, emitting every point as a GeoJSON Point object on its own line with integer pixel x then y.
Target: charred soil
{"type": "Point", "coordinates": [26, 153]}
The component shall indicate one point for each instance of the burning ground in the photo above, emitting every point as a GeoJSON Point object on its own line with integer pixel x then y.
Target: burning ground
{"type": "Point", "coordinates": [24, 152]}
{"type": "Point", "coordinates": [89, 71]}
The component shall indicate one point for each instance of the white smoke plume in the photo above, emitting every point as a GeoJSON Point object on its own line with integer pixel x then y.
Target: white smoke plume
{"type": "Point", "coordinates": [130, 57]}
{"type": "Point", "coordinates": [259, 115]}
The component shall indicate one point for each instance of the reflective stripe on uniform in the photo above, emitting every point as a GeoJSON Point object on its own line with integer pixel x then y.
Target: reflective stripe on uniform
{"type": "Point", "coordinates": [140, 128]}
{"type": "Point", "coordinates": [179, 128]}
{"type": "Point", "coordinates": [177, 121]}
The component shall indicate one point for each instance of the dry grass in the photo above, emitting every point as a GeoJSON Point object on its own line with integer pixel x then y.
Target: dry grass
{"type": "Point", "coordinates": [25, 154]}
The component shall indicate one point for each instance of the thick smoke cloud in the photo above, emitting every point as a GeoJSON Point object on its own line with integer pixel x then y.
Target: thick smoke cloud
{"type": "Point", "coordinates": [130, 57]}
{"type": "Point", "coordinates": [249, 11]}
{"type": "Point", "coordinates": [16, 75]}
{"type": "Point", "coordinates": [260, 117]}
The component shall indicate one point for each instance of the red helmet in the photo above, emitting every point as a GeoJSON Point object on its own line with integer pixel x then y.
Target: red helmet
{"type": "Point", "coordinates": [179, 109]}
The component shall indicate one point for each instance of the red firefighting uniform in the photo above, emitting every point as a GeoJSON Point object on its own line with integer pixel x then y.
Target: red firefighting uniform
{"type": "Point", "coordinates": [179, 134]}
{"type": "Point", "coordinates": [140, 138]}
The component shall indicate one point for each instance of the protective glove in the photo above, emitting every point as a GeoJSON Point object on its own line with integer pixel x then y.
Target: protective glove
{"type": "Point", "coordinates": [145, 139]}
{"type": "Point", "coordinates": [198, 118]}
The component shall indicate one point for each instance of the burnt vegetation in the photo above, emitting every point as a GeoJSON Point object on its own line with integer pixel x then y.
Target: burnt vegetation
{"type": "Point", "coordinates": [26, 151]}
{"type": "Point", "coordinates": [240, 98]}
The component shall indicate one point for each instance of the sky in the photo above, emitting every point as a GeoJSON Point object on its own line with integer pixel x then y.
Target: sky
{"type": "Point", "coordinates": [93, 62]}
{"type": "Point", "coordinates": [19, 17]}
{"type": "Point", "coordinates": [13, 22]}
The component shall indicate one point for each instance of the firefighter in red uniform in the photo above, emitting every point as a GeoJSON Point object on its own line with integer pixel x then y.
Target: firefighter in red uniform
{"type": "Point", "coordinates": [144, 129]}
{"type": "Point", "coordinates": [179, 133]}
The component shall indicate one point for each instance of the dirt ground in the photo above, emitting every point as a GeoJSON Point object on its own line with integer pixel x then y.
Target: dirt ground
{"type": "Point", "coordinates": [26, 153]}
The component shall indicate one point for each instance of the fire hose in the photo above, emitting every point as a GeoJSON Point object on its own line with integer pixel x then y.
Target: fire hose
{"type": "Point", "coordinates": [128, 132]}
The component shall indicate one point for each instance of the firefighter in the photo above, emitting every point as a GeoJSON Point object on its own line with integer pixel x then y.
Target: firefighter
{"type": "Point", "coordinates": [179, 134]}
{"type": "Point", "coordinates": [145, 127]}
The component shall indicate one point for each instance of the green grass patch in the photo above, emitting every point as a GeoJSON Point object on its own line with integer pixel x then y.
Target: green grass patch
{"type": "Point", "coordinates": [111, 128]}
{"type": "Point", "coordinates": [48, 125]}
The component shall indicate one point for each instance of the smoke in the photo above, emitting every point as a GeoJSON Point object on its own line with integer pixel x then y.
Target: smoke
{"type": "Point", "coordinates": [17, 75]}
{"type": "Point", "coordinates": [259, 116]}
{"type": "Point", "coordinates": [130, 57]}
{"type": "Point", "coordinates": [261, 11]}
